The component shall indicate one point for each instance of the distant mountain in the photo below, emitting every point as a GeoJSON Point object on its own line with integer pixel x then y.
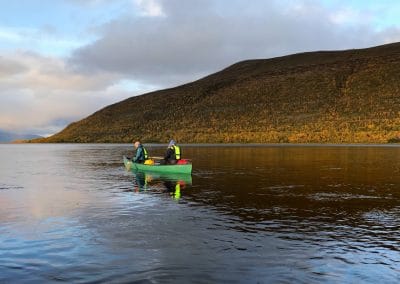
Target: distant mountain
{"type": "Point", "coordinates": [7, 137]}
{"type": "Point", "coordinates": [326, 96]}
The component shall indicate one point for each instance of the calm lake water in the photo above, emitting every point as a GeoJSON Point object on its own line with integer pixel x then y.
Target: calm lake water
{"type": "Point", "coordinates": [257, 214]}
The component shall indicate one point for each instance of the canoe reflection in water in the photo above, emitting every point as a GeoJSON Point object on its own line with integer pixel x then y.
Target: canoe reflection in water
{"type": "Point", "coordinates": [166, 183]}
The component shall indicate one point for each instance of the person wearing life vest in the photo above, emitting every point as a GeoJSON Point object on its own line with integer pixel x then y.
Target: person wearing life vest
{"type": "Point", "coordinates": [173, 153]}
{"type": "Point", "coordinates": [141, 153]}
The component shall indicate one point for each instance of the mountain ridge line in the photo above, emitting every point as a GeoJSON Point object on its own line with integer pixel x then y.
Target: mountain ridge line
{"type": "Point", "coordinates": [348, 96]}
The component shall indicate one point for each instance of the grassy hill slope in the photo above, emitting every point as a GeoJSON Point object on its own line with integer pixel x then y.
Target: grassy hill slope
{"type": "Point", "coordinates": [328, 96]}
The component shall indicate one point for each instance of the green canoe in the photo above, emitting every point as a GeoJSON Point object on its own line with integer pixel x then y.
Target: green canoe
{"type": "Point", "coordinates": [179, 169]}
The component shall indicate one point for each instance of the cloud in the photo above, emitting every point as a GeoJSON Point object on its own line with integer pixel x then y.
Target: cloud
{"type": "Point", "coordinates": [45, 40]}
{"type": "Point", "coordinates": [37, 92]}
{"type": "Point", "coordinates": [391, 34]}
{"type": "Point", "coordinates": [10, 67]}
{"type": "Point", "coordinates": [48, 79]}
{"type": "Point", "coordinates": [150, 7]}
{"type": "Point", "coordinates": [182, 40]}
{"type": "Point", "coordinates": [350, 16]}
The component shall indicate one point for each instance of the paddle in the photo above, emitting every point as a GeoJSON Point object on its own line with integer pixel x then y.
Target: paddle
{"type": "Point", "coordinates": [157, 158]}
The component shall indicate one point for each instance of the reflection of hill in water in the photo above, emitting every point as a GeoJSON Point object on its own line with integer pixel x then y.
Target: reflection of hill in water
{"type": "Point", "coordinates": [314, 194]}
{"type": "Point", "coordinates": [313, 188]}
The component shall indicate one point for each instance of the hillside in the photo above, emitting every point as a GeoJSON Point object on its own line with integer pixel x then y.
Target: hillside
{"type": "Point", "coordinates": [327, 96]}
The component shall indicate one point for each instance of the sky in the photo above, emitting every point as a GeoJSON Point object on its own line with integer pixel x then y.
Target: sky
{"type": "Point", "coordinates": [62, 60]}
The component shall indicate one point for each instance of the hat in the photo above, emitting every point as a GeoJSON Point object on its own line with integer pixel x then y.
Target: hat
{"type": "Point", "coordinates": [171, 143]}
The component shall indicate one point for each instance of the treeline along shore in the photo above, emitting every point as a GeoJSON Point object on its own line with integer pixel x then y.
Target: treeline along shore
{"type": "Point", "coordinates": [350, 96]}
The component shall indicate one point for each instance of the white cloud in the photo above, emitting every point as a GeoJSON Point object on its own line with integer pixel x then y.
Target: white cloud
{"type": "Point", "coordinates": [45, 40]}
{"type": "Point", "coordinates": [351, 16]}
{"type": "Point", "coordinates": [9, 35]}
{"type": "Point", "coordinates": [151, 8]}
{"type": "Point", "coordinates": [37, 92]}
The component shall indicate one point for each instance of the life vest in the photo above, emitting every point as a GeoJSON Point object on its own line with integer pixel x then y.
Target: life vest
{"type": "Point", "coordinates": [146, 156]}
{"type": "Point", "coordinates": [177, 151]}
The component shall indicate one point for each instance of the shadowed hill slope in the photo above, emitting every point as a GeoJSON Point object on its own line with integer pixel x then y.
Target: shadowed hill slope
{"type": "Point", "coordinates": [327, 96]}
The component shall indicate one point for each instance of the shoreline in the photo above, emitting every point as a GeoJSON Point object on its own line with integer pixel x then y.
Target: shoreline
{"type": "Point", "coordinates": [219, 144]}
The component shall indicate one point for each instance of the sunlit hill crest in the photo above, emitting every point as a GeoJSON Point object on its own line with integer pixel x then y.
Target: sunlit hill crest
{"type": "Point", "coordinates": [350, 96]}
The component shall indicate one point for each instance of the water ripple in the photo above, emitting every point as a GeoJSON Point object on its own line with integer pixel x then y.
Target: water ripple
{"type": "Point", "coordinates": [248, 215]}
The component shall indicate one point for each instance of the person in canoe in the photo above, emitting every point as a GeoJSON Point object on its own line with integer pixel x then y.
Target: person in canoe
{"type": "Point", "coordinates": [141, 154]}
{"type": "Point", "coordinates": [173, 153]}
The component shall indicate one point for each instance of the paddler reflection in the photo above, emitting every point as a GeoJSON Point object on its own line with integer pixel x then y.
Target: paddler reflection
{"type": "Point", "coordinates": [140, 182]}
{"type": "Point", "coordinates": [174, 188]}
{"type": "Point", "coordinates": [173, 184]}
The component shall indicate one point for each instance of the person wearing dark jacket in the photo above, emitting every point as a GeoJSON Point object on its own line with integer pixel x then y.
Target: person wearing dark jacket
{"type": "Point", "coordinates": [173, 153]}
{"type": "Point", "coordinates": [141, 153]}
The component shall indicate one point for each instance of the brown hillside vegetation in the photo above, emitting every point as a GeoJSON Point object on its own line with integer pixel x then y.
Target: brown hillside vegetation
{"type": "Point", "coordinates": [350, 96]}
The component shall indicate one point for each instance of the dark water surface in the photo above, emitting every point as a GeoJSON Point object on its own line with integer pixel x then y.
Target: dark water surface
{"type": "Point", "coordinates": [303, 214]}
